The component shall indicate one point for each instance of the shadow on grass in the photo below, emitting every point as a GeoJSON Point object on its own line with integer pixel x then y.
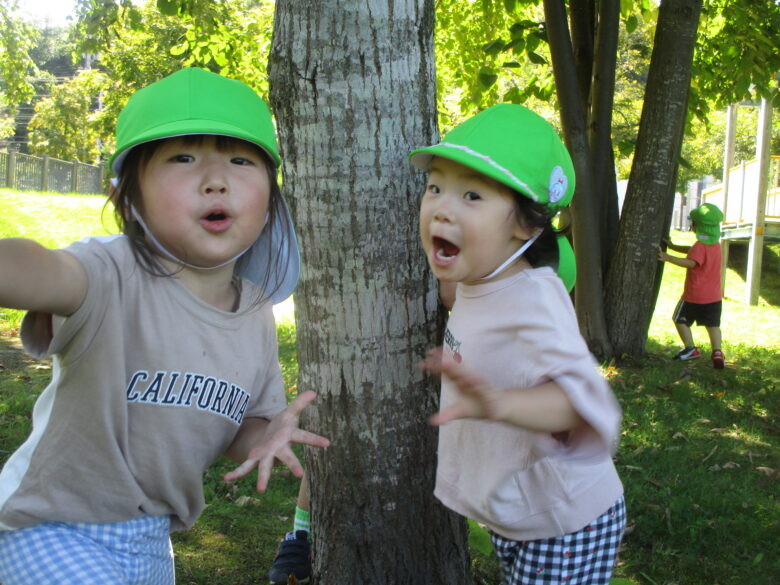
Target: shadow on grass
{"type": "Point", "coordinates": [770, 268]}
{"type": "Point", "coordinates": [699, 457]}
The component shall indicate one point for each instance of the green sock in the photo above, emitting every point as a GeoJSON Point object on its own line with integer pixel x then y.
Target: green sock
{"type": "Point", "coordinates": [301, 521]}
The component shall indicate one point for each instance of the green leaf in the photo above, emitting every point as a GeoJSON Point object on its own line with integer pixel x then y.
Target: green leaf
{"type": "Point", "coordinates": [494, 47]}
{"type": "Point", "coordinates": [168, 7]}
{"type": "Point", "coordinates": [517, 45]}
{"type": "Point", "coordinates": [486, 77]}
{"type": "Point", "coordinates": [479, 539]}
{"type": "Point", "coordinates": [537, 58]}
{"type": "Point", "coordinates": [180, 49]}
{"type": "Point", "coordinates": [625, 147]}
{"type": "Point", "coordinates": [631, 23]}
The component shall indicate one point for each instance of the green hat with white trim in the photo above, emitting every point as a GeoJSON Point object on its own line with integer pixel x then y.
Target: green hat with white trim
{"type": "Point", "coordinates": [194, 101]}
{"type": "Point", "coordinates": [706, 218]}
{"type": "Point", "coordinates": [518, 148]}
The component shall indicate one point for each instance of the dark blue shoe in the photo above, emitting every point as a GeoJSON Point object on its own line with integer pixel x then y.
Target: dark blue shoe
{"type": "Point", "coordinates": [292, 558]}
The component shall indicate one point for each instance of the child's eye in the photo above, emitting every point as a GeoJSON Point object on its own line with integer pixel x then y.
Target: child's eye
{"type": "Point", "coordinates": [471, 196]}
{"type": "Point", "coordinates": [433, 189]}
{"type": "Point", "coordinates": [240, 160]}
{"type": "Point", "coordinates": [182, 158]}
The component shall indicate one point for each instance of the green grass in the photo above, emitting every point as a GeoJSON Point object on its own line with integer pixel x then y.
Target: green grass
{"type": "Point", "coordinates": [699, 455]}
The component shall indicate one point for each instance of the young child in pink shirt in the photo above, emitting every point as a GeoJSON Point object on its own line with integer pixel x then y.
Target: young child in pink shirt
{"type": "Point", "coordinates": [528, 425]}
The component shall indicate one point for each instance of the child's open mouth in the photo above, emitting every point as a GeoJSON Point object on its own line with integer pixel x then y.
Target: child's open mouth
{"type": "Point", "coordinates": [216, 221]}
{"type": "Point", "coordinates": [444, 251]}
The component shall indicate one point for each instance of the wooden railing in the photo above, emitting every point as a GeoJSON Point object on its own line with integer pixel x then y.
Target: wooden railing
{"type": "Point", "coordinates": [740, 205]}
{"type": "Point", "coordinates": [26, 172]}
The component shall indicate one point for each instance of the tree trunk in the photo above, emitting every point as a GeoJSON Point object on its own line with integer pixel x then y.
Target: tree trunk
{"type": "Point", "coordinates": [353, 91]}
{"type": "Point", "coordinates": [588, 290]}
{"type": "Point", "coordinates": [650, 192]}
{"type": "Point", "coordinates": [600, 125]}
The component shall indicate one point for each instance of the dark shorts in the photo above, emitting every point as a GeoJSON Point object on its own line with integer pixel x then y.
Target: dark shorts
{"type": "Point", "coordinates": [707, 314]}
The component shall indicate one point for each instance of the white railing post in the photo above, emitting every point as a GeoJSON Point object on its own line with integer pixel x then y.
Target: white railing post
{"type": "Point", "coordinates": [755, 250]}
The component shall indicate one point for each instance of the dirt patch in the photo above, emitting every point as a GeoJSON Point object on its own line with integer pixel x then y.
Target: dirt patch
{"type": "Point", "coordinates": [13, 357]}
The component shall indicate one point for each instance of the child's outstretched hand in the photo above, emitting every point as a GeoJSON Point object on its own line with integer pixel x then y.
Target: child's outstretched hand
{"type": "Point", "coordinates": [277, 436]}
{"type": "Point", "coordinates": [478, 397]}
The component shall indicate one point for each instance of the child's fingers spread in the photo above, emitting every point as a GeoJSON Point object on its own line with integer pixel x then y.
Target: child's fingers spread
{"type": "Point", "coordinates": [309, 438]}
{"type": "Point", "coordinates": [241, 470]}
{"type": "Point", "coordinates": [288, 458]}
{"type": "Point", "coordinates": [454, 412]}
{"type": "Point", "coordinates": [300, 402]}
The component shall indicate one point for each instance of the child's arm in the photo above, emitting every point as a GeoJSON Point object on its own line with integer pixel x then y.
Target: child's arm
{"type": "Point", "coordinates": [543, 408]}
{"type": "Point", "coordinates": [260, 442]}
{"type": "Point", "coordinates": [35, 278]}
{"type": "Point", "coordinates": [682, 249]}
{"type": "Point", "coordinates": [684, 262]}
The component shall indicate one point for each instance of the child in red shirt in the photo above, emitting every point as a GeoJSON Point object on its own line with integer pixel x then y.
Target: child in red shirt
{"type": "Point", "coordinates": [701, 299]}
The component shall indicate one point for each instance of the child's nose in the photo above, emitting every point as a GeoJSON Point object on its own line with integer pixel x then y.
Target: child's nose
{"type": "Point", "coordinates": [214, 180]}
{"type": "Point", "coordinates": [443, 212]}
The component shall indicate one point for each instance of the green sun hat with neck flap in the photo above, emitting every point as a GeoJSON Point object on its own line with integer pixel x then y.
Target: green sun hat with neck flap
{"type": "Point", "coordinates": [706, 219]}
{"type": "Point", "coordinates": [194, 101]}
{"type": "Point", "coordinates": [518, 148]}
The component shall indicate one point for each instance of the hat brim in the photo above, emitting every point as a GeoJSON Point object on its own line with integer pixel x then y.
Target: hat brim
{"type": "Point", "coordinates": [188, 128]}
{"type": "Point", "coordinates": [423, 157]}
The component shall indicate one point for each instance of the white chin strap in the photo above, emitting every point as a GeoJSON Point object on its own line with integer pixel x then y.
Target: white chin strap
{"type": "Point", "coordinates": [170, 256]}
{"type": "Point", "coordinates": [513, 257]}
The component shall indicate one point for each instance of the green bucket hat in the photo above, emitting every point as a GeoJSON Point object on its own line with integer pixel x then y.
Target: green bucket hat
{"type": "Point", "coordinates": [519, 149]}
{"type": "Point", "coordinates": [706, 218]}
{"type": "Point", "coordinates": [194, 101]}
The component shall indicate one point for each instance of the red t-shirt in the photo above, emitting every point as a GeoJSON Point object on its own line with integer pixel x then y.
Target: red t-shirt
{"type": "Point", "coordinates": [702, 282]}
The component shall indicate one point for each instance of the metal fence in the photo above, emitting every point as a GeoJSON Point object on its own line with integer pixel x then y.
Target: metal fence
{"type": "Point", "coordinates": [32, 173]}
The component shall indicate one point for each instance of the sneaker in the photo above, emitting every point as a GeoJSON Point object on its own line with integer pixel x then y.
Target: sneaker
{"type": "Point", "coordinates": [688, 353]}
{"type": "Point", "coordinates": [718, 359]}
{"type": "Point", "coordinates": [292, 558]}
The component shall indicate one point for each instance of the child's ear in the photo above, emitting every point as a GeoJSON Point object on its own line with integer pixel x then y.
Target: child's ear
{"type": "Point", "coordinates": [523, 231]}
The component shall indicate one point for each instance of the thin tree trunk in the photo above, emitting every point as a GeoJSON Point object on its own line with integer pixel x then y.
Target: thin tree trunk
{"type": "Point", "coordinates": [582, 29]}
{"type": "Point", "coordinates": [588, 290]}
{"type": "Point", "coordinates": [600, 126]}
{"type": "Point", "coordinates": [651, 184]}
{"type": "Point", "coordinates": [353, 90]}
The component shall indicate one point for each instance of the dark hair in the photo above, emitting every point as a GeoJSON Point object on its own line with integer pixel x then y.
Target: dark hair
{"type": "Point", "coordinates": [128, 194]}
{"type": "Point", "coordinates": [535, 216]}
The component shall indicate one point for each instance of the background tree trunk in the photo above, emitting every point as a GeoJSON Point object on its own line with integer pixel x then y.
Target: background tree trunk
{"type": "Point", "coordinates": [353, 91]}
{"type": "Point", "coordinates": [602, 102]}
{"type": "Point", "coordinates": [650, 194]}
{"type": "Point", "coordinates": [584, 206]}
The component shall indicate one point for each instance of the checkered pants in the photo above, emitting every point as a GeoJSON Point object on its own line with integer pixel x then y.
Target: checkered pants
{"type": "Point", "coordinates": [136, 552]}
{"type": "Point", "coordinates": [586, 557]}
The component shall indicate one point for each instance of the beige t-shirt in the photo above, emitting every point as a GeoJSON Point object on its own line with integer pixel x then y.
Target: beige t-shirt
{"type": "Point", "coordinates": [149, 387]}
{"type": "Point", "coordinates": [521, 331]}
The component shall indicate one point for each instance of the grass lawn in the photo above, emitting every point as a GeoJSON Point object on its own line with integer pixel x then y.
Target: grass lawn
{"type": "Point", "coordinates": [699, 456]}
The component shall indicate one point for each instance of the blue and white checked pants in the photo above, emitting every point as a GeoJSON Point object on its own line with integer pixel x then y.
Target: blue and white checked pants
{"type": "Point", "coordinates": [136, 552]}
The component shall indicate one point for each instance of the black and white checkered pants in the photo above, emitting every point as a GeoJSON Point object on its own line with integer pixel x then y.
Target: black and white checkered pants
{"type": "Point", "coordinates": [586, 557]}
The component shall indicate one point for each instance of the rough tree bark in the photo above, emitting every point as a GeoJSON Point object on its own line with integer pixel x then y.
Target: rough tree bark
{"type": "Point", "coordinates": [650, 193]}
{"type": "Point", "coordinates": [353, 90]}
